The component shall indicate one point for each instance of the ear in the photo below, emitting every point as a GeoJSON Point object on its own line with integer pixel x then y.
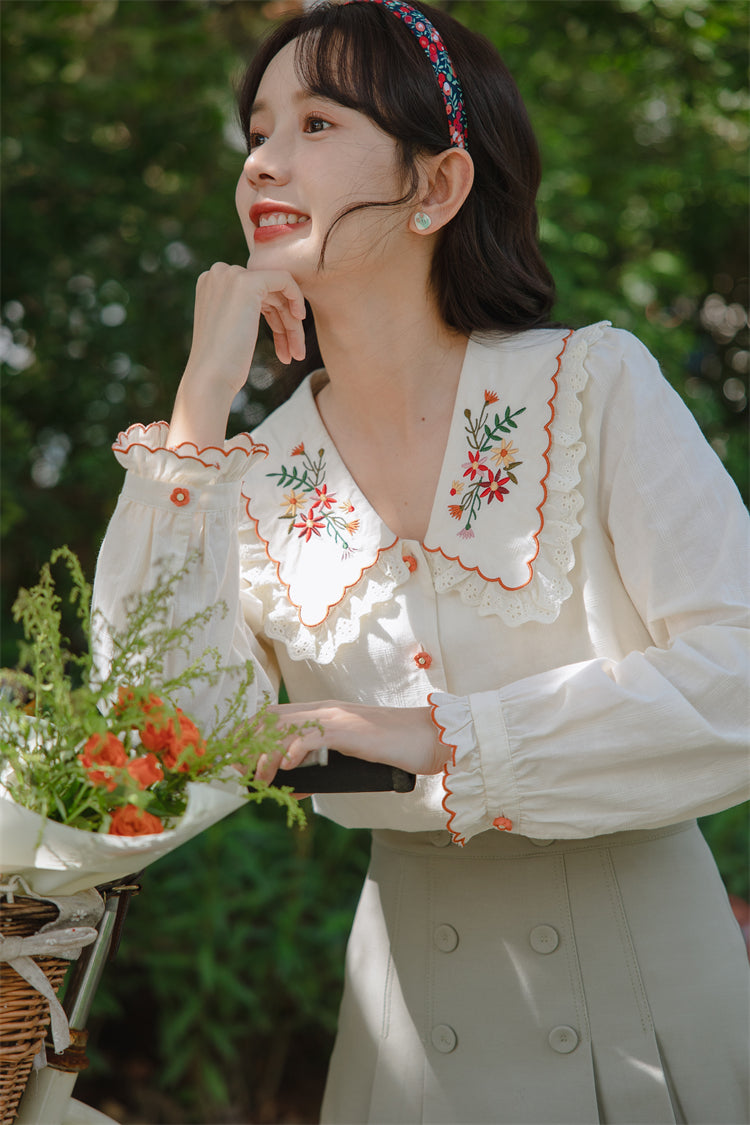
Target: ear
{"type": "Point", "coordinates": [447, 182]}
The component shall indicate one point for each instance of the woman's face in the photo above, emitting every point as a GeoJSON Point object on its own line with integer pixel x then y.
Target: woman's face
{"type": "Point", "coordinates": [311, 158]}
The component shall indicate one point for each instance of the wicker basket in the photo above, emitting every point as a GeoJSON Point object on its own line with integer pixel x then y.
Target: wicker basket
{"type": "Point", "coordinates": [24, 1013]}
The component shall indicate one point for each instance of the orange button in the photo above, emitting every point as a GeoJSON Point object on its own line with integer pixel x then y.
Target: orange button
{"type": "Point", "coordinates": [502, 824]}
{"type": "Point", "coordinates": [411, 563]}
{"type": "Point", "coordinates": [180, 496]}
{"type": "Point", "coordinates": [423, 660]}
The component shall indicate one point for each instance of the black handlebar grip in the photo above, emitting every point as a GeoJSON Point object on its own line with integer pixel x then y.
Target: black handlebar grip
{"type": "Point", "coordinates": [345, 774]}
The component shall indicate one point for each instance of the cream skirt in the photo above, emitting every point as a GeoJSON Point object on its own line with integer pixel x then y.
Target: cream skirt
{"type": "Point", "coordinates": [523, 982]}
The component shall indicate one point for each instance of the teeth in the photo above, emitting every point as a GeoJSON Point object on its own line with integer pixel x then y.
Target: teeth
{"type": "Point", "coordinates": [280, 218]}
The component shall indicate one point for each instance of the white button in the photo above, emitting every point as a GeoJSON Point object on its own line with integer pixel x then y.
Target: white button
{"type": "Point", "coordinates": [540, 843]}
{"type": "Point", "coordinates": [563, 1039]}
{"type": "Point", "coordinates": [440, 839]}
{"type": "Point", "coordinates": [444, 1038]}
{"type": "Point", "coordinates": [544, 939]}
{"type": "Point", "coordinates": [446, 938]}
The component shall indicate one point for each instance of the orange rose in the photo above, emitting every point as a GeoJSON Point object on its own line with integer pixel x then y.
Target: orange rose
{"type": "Point", "coordinates": [145, 770]}
{"type": "Point", "coordinates": [126, 698]}
{"type": "Point", "coordinates": [172, 739]}
{"type": "Point", "coordinates": [106, 751]}
{"type": "Point", "coordinates": [132, 821]}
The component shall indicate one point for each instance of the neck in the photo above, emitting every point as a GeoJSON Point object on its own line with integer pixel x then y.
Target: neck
{"type": "Point", "coordinates": [388, 355]}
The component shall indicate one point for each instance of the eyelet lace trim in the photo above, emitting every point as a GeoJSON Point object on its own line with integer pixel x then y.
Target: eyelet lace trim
{"type": "Point", "coordinates": [342, 625]}
{"type": "Point", "coordinates": [542, 598]}
{"type": "Point", "coordinates": [142, 449]}
{"type": "Point", "coordinates": [539, 601]}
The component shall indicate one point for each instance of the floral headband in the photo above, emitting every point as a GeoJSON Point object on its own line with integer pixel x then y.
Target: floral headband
{"type": "Point", "coordinates": [431, 42]}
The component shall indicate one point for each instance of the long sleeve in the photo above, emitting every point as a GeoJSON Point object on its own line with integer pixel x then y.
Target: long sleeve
{"type": "Point", "coordinates": [175, 507]}
{"type": "Point", "coordinates": [654, 736]}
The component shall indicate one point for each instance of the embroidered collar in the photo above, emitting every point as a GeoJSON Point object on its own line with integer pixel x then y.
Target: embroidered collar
{"type": "Point", "coordinates": [488, 512]}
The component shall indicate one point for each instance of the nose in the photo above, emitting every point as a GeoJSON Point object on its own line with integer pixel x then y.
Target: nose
{"type": "Point", "coordinates": [265, 166]}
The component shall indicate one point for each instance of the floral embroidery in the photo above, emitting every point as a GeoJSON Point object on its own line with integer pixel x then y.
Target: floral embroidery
{"type": "Point", "coordinates": [180, 497]}
{"type": "Point", "coordinates": [485, 484]}
{"type": "Point", "coordinates": [309, 506]}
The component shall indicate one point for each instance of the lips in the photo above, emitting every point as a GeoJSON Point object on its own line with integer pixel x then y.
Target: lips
{"type": "Point", "coordinates": [272, 220]}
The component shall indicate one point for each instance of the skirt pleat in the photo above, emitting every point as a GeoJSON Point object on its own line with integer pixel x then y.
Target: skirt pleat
{"type": "Point", "coordinates": [522, 982]}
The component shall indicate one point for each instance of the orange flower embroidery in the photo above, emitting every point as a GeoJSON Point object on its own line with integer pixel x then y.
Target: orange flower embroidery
{"type": "Point", "coordinates": [180, 497]}
{"type": "Point", "coordinates": [489, 397]}
{"type": "Point", "coordinates": [423, 660]}
{"type": "Point", "coordinates": [411, 563]}
{"type": "Point", "coordinates": [298, 449]}
{"type": "Point", "coordinates": [456, 511]}
{"type": "Point", "coordinates": [502, 824]}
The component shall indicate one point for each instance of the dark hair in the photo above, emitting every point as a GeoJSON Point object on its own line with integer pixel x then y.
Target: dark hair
{"type": "Point", "coordinates": [487, 270]}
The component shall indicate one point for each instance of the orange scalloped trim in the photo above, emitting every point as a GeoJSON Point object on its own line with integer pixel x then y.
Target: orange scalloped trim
{"type": "Point", "coordinates": [256, 447]}
{"type": "Point", "coordinates": [277, 564]}
{"type": "Point", "coordinates": [532, 560]}
{"type": "Point", "coordinates": [457, 837]}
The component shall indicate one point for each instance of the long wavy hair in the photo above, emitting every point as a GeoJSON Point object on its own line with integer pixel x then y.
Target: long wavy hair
{"type": "Point", "coordinates": [488, 274]}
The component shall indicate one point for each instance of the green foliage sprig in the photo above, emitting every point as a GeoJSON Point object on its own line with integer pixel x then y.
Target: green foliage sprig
{"type": "Point", "coordinates": [101, 744]}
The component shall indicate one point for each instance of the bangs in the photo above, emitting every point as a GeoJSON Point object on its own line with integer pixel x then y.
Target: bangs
{"type": "Point", "coordinates": [361, 57]}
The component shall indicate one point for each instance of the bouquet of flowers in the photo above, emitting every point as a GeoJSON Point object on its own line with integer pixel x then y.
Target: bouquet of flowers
{"type": "Point", "coordinates": [101, 772]}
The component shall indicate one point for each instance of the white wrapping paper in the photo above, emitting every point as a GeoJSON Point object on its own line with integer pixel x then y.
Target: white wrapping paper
{"type": "Point", "coordinates": [56, 859]}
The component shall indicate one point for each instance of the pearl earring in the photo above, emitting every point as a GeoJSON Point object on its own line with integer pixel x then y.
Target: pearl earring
{"type": "Point", "coordinates": [422, 221]}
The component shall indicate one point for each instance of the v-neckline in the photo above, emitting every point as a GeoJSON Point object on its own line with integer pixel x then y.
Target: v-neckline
{"type": "Point", "coordinates": [343, 471]}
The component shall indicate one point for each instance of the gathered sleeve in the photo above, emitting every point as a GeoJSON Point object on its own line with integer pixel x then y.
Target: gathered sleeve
{"type": "Point", "coordinates": [651, 737]}
{"type": "Point", "coordinates": [181, 507]}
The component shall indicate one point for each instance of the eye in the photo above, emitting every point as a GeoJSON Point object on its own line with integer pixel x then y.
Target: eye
{"type": "Point", "coordinates": [255, 140]}
{"type": "Point", "coordinates": [315, 124]}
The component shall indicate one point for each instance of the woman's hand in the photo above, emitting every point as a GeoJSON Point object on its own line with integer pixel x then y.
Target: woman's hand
{"type": "Point", "coordinates": [397, 736]}
{"type": "Point", "coordinates": [229, 302]}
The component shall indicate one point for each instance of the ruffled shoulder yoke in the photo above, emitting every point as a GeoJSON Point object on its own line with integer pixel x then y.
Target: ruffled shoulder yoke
{"type": "Point", "coordinates": [504, 517]}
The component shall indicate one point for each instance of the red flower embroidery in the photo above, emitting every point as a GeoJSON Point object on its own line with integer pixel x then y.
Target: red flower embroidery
{"type": "Point", "coordinates": [325, 498]}
{"type": "Point", "coordinates": [474, 465]}
{"type": "Point", "coordinates": [310, 524]}
{"type": "Point", "coordinates": [132, 821]}
{"type": "Point", "coordinates": [106, 751]}
{"type": "Point", "coordinates": [502, 824]}
{"type": "Point", "coordinates": [180, 497]}
{"type": "Point", "coordinates": [298, 449]}
{"type": "Point", "coordinates": [494, 487]}
{"type": "Point", "coordinates": [411, 563]}
{"type": "Point", "coordinates": [423, 660]}
{"type": "Point", "coordinates": [489, 397]}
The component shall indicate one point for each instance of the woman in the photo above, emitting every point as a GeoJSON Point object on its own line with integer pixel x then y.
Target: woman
{"type": "Point", "coordinates": [492, 551]}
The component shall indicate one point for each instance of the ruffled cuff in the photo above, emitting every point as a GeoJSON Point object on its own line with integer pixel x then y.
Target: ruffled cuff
{"type": "Point", "coordinates": [468, 801]}
{"type": "Point", "coordinates": [143, 451]}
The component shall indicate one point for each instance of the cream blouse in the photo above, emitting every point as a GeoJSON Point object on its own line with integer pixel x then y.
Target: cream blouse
{"type": "Point", "coordinates": [575, 616]}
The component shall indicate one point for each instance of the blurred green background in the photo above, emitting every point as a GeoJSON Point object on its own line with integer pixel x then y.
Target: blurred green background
{"type": "Point", "coordinates": [120, 154]}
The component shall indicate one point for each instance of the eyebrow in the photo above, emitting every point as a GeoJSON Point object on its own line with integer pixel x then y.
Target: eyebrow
{"type": "Point", "coordinates": [259, 105]}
